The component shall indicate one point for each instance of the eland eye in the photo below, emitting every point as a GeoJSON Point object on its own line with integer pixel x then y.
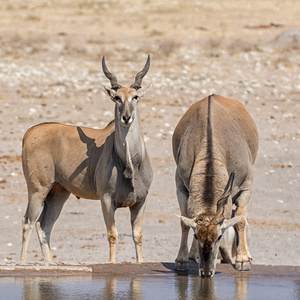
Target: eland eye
{"type": "Point", "coordinates": [117, 98]}
{"type": "Point", "coordinates": [135, 97]}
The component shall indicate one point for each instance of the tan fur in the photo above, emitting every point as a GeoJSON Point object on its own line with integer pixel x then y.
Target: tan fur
{"type": "Point", "coordinates": [126, 94]}
{"type": "Point", "coordinates": [208, 233]}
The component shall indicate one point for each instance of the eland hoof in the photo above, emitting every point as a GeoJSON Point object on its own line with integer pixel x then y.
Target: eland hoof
{"type": "Point", "coordinates": [242, 266]}
{"type": "Point", "coordinates": [181, 266]}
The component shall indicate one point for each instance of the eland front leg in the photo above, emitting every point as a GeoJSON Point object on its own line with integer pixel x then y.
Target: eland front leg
{"type": "Point", "coordinates": [137, 211]}
{"type": "Point", "coordinates": [108, 210]}
{"type": "Point", "coordinates": [182, 260]}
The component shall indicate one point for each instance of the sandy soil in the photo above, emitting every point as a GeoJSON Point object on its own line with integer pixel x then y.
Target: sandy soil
{"type": "Point", "coordinates": [50, 71]}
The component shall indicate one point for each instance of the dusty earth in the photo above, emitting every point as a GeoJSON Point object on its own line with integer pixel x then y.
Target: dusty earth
{"type": "Point", "coordinates": [50, 71]}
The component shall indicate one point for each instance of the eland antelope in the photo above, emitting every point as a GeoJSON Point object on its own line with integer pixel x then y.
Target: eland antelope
{"type": "Point", "coordinates": [214, 145]}
{"type": "Point", "coordinates": [109, 164]}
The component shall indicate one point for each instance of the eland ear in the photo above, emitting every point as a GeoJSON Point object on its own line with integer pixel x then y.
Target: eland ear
{"type": "Point", "coordinates": [142, 92]}
{"type": "Point", "coordinates": [231, 222]}
{"type": "Point", "coordinates": [109, 92]}
{"type": "Point", "coordinates": [188, 222]}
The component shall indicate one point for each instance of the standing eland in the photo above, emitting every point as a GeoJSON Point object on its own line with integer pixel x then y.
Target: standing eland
{"type": "Point", "coordinates": [109, 164]}
{"type": "Point", "coordinates": [214, 145]}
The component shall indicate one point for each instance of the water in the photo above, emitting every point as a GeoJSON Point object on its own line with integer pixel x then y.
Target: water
{"type": "Point", "coordinates": [149, 287]}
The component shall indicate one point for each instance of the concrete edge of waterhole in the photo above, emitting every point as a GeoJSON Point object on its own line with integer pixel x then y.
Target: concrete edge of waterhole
{"type": "Point", "coordinates": [137, 269]}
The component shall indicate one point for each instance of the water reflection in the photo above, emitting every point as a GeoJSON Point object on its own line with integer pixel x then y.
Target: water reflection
{"type": "Point", "coordinates": [173, 287]}
{"type": "Point", "coordinates": [205, 288]}
{"type": "Point", "coordinates": [195, 288]}
{"type": "Point", "coordinates": [297, 289]}
{"type": "Point", "coordinates": [182, 287]}
{"type": "Point", "coordinates": [121, 288]}
{"type": "Point", "coordinates": [106, 288]}
{"type": "Point", "coordinates": [241, 287]}
{"type": "Point", "coordinates": [110, 288]}
{"type": "Point", "coordinates": [39, 289]}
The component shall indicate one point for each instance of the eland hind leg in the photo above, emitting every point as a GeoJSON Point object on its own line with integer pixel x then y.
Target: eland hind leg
{"type": "Point", "coordinates": [243, 256]}
{"type": "Point", "coordinates": [51, 211]}
{"type": "Point", "coordinates": [39, 170]}
{"type": "Point", "coordinates": [35, 206]}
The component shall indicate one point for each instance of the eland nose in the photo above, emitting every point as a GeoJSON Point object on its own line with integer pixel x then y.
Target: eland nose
{"type": "Point", "coordinates": [207, 274]}
{"type": "Point", "coordinates": [126, 119]}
